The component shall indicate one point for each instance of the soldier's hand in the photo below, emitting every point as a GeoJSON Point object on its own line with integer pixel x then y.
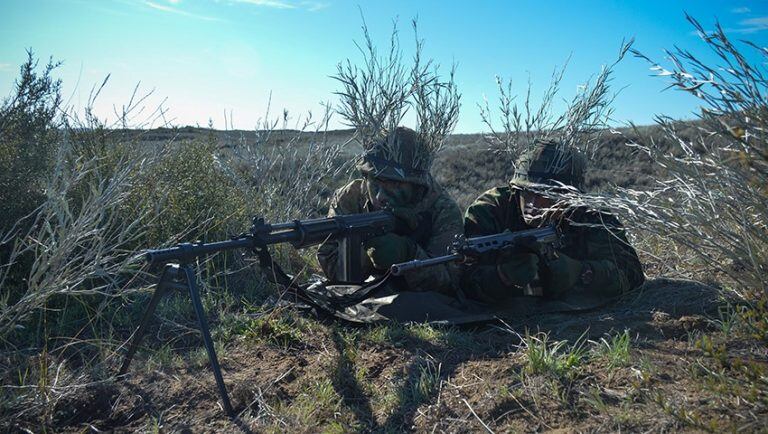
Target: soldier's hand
{"type": "Point", "coordinates": [389, 249]}
{"type": "Point", "coordinates": [560, 274]}
{"type": "Point", "coordinates": [518, 269]}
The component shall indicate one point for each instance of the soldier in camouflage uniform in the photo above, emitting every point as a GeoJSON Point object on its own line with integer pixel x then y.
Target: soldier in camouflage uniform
{"type": "Point", "coordinates": [596, 257]}
{"type": "Point", "coordinates": [428, 219]}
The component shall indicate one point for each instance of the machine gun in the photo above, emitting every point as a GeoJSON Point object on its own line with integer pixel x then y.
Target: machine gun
{"type": "Point", "coordinates": [542, 241]}
{"type": "Point", "coordinates": [178, 273]}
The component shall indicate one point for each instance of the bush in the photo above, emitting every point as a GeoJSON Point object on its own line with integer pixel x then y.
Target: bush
{"type": "Point", "coordinates": [290, 173]}
{"type": "Point", "coordinates": [100, 197]}
{"type": "Point", "coordinates": [29, 133]}
{"type": "Point", "coordinates": [189, 195]}
{"type": "Point", "coordinates": [713, 204]}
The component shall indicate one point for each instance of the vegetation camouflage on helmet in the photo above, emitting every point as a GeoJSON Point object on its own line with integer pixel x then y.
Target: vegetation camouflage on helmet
{"type": "Point", "coordinates": [549, 165]}
{"type": "Point", "coordinates": [402, 156]}
{"type": "Point", "coordinates": [375, 96]}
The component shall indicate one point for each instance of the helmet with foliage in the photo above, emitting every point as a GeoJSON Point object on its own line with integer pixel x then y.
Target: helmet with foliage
{"type": "Point", "coordinates": [399, 156]}
{"type": "Point", "coordinates": [375, 96]}
{"type": "Point", "coordinates": [547, 165]}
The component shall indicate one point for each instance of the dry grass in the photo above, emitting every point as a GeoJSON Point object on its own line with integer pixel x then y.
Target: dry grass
{"type": "Point", "coordinates": [713, 202]}
{"type": "Point", "coordinates": [529, 120]}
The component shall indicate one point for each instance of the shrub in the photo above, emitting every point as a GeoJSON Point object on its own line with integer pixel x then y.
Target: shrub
{"type": "Point", "coordinates": [523, 123]}
{"type": "Point", "coordinates": [75, 251]}
{"type": "Point", "coordinates": [29, 132]}
{"type": "Point", "coordinates": [190, 196]}
{"type": "Point", "coordinates": [713, 204]}
{"type": "Point", "coordinates": [289, 173]}
{"type": "Point", "coordinates": [103, 199]}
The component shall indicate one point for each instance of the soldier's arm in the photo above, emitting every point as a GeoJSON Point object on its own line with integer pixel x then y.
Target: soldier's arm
{"type": "Point", "coordinates": [446, 224]}
{"type": "Point", "coordinates": [484, 217]}
{"type": "Point", "coordinates": [615, 266]}
{"type": "Point", "coordinates": [346, 200]}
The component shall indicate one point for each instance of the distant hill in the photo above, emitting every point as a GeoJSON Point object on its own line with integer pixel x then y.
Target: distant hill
{"type": "Point", "coordinates": [466, 166]}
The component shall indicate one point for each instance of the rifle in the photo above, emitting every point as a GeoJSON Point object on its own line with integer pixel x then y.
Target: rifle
{"type": "Point", "coordinates": [542, 241]}
{"type": "Point", "coordinates": [351, 230]}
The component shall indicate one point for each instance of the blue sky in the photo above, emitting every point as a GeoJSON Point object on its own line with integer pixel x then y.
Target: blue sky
{"type": "Point", "coordinates": [207, 57]}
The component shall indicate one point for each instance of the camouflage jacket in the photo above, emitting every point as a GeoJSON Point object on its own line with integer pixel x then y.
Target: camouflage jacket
{"type": "Point", "coordinates": [441, 223]}
{"type": "Point", "coordinates": [588, 235]}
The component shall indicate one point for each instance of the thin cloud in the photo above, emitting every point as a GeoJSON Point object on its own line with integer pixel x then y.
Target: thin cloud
{"type": "Point", "coordinates": [275, 4]}
{"type": "Point", "coordinates": [313, 6]}
{"type": "Point", "coordinates": [741, 10]}
{"type": "Point", "coordinates": [6, 67]}
{"type": "Point", "coordinates": [748, 26]}
{"type": "Point", "coordinates": [176, 11]}
{"type": "Point", "coordinates": [308, 5]}
{"type": "Point", "coordinates": [752, 25]}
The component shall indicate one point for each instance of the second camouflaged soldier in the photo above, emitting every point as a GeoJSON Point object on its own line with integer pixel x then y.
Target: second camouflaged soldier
{"type": "Point", "coordinates": [396, 177]}
{"type": "Point", "coordinates": [596, 257]}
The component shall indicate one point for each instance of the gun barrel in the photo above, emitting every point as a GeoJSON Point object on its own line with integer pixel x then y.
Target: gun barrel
{"type": "Point", "coordinates": [300, 233]}
{"type": "Point", "coordinates": [311, 232]}
{"type": "Point", "coordinates": [404, 267]}
{"type": "Point", "coordinates": [187, 252]}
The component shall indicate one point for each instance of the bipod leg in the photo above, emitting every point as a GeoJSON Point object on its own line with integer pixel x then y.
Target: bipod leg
{"type": "Point", "coordinates": [169, 273]}
{"type": "Point", "coordinates": [195, 295]}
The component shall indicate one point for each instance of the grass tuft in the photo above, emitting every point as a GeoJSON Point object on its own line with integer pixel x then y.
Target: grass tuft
{"type": "Point", "coordinates": [277, 328]}
{"type": "Point", "coordinates": [556, 359]}
{"type": "Point", "coordinates": [615, 349]}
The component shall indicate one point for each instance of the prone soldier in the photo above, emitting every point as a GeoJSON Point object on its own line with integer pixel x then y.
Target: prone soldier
{"type": "Point", "coordinates": [395, 176]}
{"type": "Point", "coordinates": [595, 256]}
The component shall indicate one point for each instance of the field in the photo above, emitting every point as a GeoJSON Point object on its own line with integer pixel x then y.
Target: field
{"type": "Point", "coordinates": [80, 200]}
{"type": "Point", "coordinates": [665, 358]}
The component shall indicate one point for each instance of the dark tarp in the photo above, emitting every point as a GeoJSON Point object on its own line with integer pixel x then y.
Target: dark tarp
{"type": "Point", "coordinates": [378, 302]}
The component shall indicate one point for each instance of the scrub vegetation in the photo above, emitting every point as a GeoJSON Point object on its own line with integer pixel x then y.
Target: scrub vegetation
{"type": "Point", "coordinates": [80, 199]}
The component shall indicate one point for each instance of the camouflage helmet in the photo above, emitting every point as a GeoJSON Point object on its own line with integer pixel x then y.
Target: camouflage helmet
{"type": "Point", "coordinates": [548, 165]}
{"type": "Point", "coordinates": [401, 156]}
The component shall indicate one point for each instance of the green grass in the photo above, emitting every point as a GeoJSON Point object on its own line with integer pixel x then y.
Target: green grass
{"type": "Point", "coordinates": [615, 349]}
{"type": "Point", "coordinates": [425, 383]}
{"type": "Point", "coordinates": [279, 329]}
{"type": "Point", "coordinates": [396, 334]}
{"type": "Point", "coordinates": [557, 359]}
{"type": "Point", "coordinates": [754, 317]}
{"type": "Point", "coordinates": [161, 358]}
{"type": "Point", "coordinates": [317, 408]}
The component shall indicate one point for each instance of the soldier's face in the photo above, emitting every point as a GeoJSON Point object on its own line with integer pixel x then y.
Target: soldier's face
{"type": "Point", "coordinates": [534, 206]}
{"type": "Point", "coordinates": [386, 193]}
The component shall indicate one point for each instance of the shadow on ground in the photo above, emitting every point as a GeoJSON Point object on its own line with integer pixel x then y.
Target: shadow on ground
{"type": "Point", "coordinates": [415, 368]}
{"type": "Point", "coordinates": [662, 309]}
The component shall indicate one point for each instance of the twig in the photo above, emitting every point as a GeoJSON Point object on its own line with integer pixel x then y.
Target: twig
{"type": "Point", "coordinates": [487, 428]}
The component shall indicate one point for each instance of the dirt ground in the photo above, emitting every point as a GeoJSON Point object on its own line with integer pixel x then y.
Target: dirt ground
{"type": "Point", "coordinates": [394, 378]}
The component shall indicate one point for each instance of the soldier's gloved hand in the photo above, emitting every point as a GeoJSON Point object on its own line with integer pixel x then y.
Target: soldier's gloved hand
{"type": "Point", "coordinates": [518, 269]}
{"type": "Point", "coordinates": [407, 219]}
{"type": "Point", "coordinates": [389, 249]}
{"type": "Point", "coordinates": [560, 274]}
